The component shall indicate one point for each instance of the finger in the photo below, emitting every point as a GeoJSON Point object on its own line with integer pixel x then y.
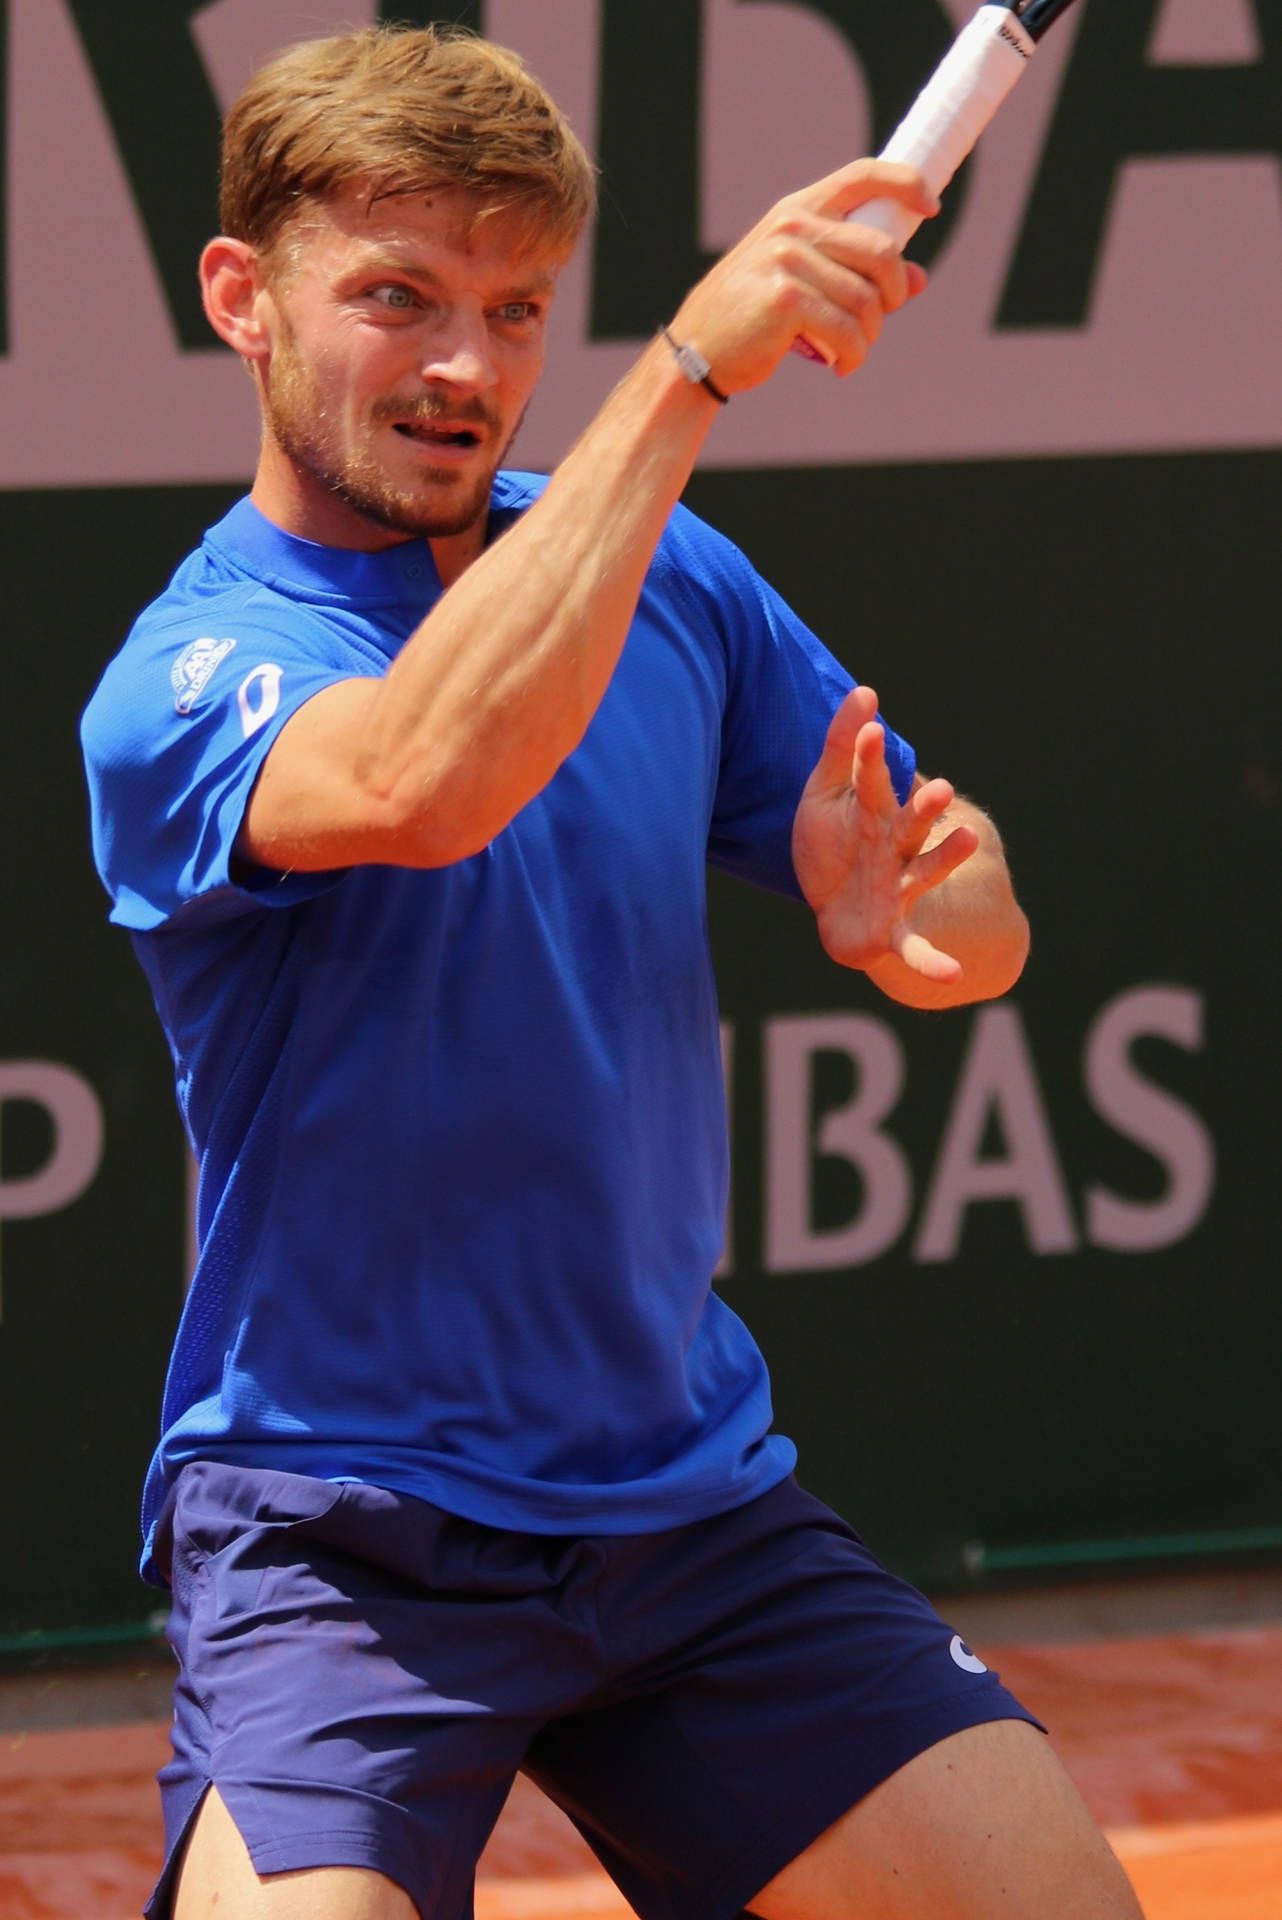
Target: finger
{"type": "Point", "coordinates": [798, 267]}
{"type": "Point", "coordinates": [828, 265]}
{"type": "Point", "coordinates": [844, 328]}
{"type": "Point", "coordinates": [870, 777]}
{"type": "Point", "coordinates": [932, 797]}
{"type": "Point", "coordinates": [928, 869]}
{"type": "Point", "coordinates": [871, 255]}
{"type": "Point", "coordinates": [860, 181]}
{"type": "Point", "coordinates": [924, 806]}
{"type": "Point", "coordinates": [833, 769]}
{"type": "Point", "coordinates": [917, 952]}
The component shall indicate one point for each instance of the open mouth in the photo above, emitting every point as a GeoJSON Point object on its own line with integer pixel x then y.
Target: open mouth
{"type": "Point", "coordinates": [433, 436]}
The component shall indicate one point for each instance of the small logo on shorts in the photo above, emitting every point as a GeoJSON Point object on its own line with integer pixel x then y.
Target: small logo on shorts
{"type": "Point", "coordinates": [193, 670]}
{"type": "Point", "coordinates": [968, 1662]}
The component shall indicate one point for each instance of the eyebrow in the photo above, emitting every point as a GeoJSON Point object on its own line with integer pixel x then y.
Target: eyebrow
{"type": "Point", "coordinates": [534, 283]}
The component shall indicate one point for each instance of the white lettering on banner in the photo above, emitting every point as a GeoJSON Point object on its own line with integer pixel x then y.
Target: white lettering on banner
{"type": "Point", "coordinates": [1151, 1117]}
{"type": "Point", "coordinates": [76, 1154]}
{"type": "Point", "coordinates": [258, 697]}
{"type": "Point", "coordinates": [851, 1132]}
{"type": "Point", "coordinates": [997, 1084]}
{"type": "Point", "coordinates": [997, 1081]}
{"type": "Point", "coordinates": [946, 381]}
{"type": "Point", "coordinates": [1189, 33]}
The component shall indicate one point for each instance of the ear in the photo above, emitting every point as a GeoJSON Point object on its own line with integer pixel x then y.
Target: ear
{"type": "Point", "coordinates": [234, 292]}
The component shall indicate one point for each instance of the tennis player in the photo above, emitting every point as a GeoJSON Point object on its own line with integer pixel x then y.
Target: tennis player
{"type": "Point", "coordinates": [404, 789]}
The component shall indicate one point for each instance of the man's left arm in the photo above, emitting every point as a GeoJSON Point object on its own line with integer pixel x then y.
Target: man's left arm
{"type": "Point", "coordinates": [917, 896]}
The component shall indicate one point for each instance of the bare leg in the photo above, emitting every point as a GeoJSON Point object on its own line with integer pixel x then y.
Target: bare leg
{"type": "Point", "coordinates": [217, 1882]}
{"type": "Point", "coordinates": [986, 1825]}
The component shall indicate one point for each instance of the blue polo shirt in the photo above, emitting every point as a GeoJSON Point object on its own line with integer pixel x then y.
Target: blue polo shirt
{"type": "Point", "coordinates": [461, 1133]}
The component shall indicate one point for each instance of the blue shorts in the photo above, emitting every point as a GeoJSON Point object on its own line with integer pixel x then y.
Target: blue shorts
{"type": "Point", "coordinates": [362, 1675]}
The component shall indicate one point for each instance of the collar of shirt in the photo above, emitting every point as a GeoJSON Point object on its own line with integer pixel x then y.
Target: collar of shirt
{"type": "Point", "coordinates": [305, 567]}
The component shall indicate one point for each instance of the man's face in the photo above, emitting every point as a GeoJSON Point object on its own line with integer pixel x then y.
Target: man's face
{"type": "Point", "coordinates": [407, 338]}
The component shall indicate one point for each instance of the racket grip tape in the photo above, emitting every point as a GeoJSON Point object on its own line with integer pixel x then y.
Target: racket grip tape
{"type": "Point", "coordinates": [946, 119]}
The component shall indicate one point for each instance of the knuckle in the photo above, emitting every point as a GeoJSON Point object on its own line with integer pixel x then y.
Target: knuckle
{"type": "Point", "coordinates": [786, 293]}
{"type": "Point", "coordinates": [880, 248]}
{"type": "Point", "coordinates": [786, 252]}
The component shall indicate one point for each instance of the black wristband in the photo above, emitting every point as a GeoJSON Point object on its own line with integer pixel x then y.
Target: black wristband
{"type": "Point", "coordinates": [694, 367]}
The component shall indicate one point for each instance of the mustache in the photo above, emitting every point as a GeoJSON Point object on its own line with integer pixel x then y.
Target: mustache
{"type": "Point", "coordinates": [426, 409]}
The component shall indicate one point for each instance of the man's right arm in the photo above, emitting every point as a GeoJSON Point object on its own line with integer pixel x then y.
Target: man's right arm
{"type": "Point", "coordinates": [497, 686]}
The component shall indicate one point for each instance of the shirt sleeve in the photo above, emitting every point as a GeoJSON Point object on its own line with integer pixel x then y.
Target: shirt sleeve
{"type": "Point", "coordinates": [782, 688]}
{"type": "Point", "coordinates": [174, 739]}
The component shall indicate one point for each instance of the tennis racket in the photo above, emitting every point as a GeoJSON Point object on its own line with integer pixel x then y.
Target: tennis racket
{"type": "Point", "coordinates": [953, 108]}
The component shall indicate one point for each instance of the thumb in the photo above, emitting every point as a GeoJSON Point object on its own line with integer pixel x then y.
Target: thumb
{"type": "Point", "coordinates": [840, 193]}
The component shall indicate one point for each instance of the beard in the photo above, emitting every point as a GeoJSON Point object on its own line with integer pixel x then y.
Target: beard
{"type": "Point", "coordinates": [437, 502]}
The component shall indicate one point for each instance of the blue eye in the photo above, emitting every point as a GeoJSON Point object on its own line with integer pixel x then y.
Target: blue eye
{"type": "Point", "coordinates": [399, 298]}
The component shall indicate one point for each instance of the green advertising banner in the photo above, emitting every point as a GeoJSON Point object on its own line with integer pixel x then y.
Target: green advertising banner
{"type": "Point", "coordinates": [1012, 1266]}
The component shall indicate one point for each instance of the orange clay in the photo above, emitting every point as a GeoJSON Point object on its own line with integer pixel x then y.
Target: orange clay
{"type": "Point", "coordinates": [1176, 1743]}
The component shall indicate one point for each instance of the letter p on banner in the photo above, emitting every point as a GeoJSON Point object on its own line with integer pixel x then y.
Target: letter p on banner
{"type": "Point", "coordinates": [76, 1154]}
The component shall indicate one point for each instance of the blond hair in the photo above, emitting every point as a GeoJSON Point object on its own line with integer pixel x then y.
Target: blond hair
{"type": "Point", "coordinates": [400, 110]}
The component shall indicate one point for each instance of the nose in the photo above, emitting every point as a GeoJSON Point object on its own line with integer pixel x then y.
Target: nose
{"type": "Point", "coordinates": [460, 353]}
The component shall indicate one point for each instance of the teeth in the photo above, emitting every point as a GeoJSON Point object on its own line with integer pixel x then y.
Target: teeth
{"type": "Point", "coordinates": [446, 437]}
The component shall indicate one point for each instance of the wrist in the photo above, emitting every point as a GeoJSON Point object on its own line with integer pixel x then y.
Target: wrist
{"type": "Point", "coordinates": [693, 365]}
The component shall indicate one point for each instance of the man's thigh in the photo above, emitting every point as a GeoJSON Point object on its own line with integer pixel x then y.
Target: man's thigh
{"type": "Point", "coordinates": [769, 1675]}
{"type": "Point", "coordinates": [217, 1881]}
{"type": "Point", "coordinates": [986, 1822]}
{"type": "Point", "coordinates": [360, 1675]}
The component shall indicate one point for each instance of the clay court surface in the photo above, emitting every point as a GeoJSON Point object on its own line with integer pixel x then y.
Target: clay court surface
{"type": "Point", "coordinates": [1175, 1739]}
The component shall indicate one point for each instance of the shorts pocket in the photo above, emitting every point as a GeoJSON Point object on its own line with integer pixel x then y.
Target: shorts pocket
{"type": "Point", "coordinates": [228, 1524]}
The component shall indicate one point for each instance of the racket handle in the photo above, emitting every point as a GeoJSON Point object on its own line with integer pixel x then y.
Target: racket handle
{"type": "Point", "coordinates": [946, 119]}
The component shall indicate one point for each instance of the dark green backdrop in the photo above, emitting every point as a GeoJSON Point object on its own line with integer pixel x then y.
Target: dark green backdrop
{"type": "Point", "coordinates": [1087, 647]}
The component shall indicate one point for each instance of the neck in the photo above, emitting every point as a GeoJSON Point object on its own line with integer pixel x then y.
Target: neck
{"type": "Point", "coordinates": [455, 552]}
{"type": "Point", "coordinates": [297, 502]}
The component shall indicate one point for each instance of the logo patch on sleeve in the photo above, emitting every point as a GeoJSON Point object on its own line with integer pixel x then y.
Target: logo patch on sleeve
{"type": "Point", "coordinates": [258, 697]}
{"type": "Point", "coordinates": [193, 670]}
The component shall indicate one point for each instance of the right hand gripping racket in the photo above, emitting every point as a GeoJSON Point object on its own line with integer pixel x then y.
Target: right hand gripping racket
{"type": "Point", "coordinates": [956, 104]}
